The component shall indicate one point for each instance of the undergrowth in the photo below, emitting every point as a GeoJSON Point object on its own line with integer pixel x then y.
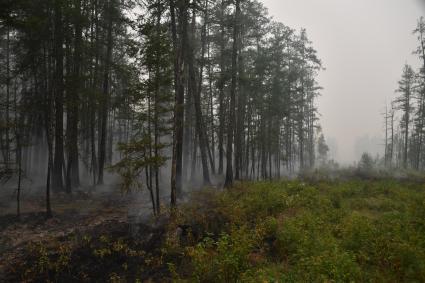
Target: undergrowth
{"type": "Point", "coordinates": [289, 231]}
{"type": "Point", "coordinates": [347, 231]}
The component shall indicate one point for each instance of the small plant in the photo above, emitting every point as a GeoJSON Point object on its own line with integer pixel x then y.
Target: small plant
{"type": "Point", "coordinates": [223, 260]}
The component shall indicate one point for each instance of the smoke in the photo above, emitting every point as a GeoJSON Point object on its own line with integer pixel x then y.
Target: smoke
{"type": "Point", "coordinates": [364, 45]}
{"type": "Point", "coordinates": [372, 145]}
{"type": "Point", "coordinates": [421, 4]}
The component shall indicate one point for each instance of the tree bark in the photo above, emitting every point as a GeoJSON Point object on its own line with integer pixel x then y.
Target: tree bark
{"type": "Point", "coordinates": [196, 91]}
{"type": "Point", "coordinates": [229, 154]}
{"type": "Point", "coordinates": [73, 179]}
{"type": "Point", "coordinates": [242, 98]}
{"type": "Point", "coordinates": [177, 160]}
{"type": "Point", "coordinates": [7, 141]}
{"type": "Point", "coordinates": [221, 84]}
{"type": "Point", "coordinates": [103, 115]}
{"type": "Point", "coordinates": [57, 179]}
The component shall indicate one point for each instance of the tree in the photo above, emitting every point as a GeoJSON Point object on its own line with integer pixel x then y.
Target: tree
{"type": "Point", "coordinates": [105, 100]}
{"type": "Point", "coordinates": [58, 163]}
{"type": "Point", "coordinates": [420, 111]}
{"type": "Point", "coordinates": [72, 175]}
{"type": "Point", "coordinates": [322, 149]}
{"type": "Point", "coordinates": [366, 163]}
{"type": "Point", "coordinates": [202, 82]}
{"type": "Point", "coordinates": [196, 89]}
{"type": "Point", "coordinates": [230, 130]}
{"type": "Point", "coordinates": [404, 103]}
{"type": "Point", "coordinates": [178, 53]}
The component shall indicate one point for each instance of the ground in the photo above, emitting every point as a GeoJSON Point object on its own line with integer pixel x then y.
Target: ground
{"type": "Point", "coordinates": [310, 230]}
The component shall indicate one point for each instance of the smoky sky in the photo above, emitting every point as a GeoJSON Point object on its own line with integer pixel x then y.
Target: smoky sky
{"type": "Point", "coordinates": [364, 45]}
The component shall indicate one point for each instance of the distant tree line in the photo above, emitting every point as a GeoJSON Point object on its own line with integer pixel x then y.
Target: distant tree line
{"type": "Point", "coordinates": [208, 87]}
{"type": "Point", "coordinates": [405, 117]}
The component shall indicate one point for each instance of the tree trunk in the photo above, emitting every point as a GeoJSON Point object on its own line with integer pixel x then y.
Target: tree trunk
{"type": "Point", "coordinates": [48, 115]}
{"type": "Point", "coordinates": [104, 103]}
{"type": "Point", "coordinates": [7, 141]}
{"type": "Point", "coordinates": [73, 179]}
{"type": "Point", "coordinates": [229, 154]}
{"type": "Point", "coordinates": [221, 84]}
{"type": "Point", "coordinates": [189, 129]}
{"type": "Point", "coordinates": [177, 159]}
{"type": "Point", "coordinates": [196, 91]}
{"type": "Point", "coordinates": [92, 99]}
{"type": "Point", "coordinates": [242, 98]}
{"type": "Point", "coordinates": [57, 180]}
{"type": "Point", "coordinates": [18, 156]}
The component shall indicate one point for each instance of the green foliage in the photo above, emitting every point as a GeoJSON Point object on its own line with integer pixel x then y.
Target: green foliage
{"type": "Point", "coordinates": [136, 159]}
{"type": "Point", "coordinates": [222, 260]}
{"type": "Point", "coordinates": [289, 231]}
{"type": "Point", "coordinates": [344, 231]}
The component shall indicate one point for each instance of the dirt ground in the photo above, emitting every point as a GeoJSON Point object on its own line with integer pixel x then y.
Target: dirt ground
{"type": "Point", "coordinates": [81, 212]}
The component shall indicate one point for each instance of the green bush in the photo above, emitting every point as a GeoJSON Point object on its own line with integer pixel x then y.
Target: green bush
{"type": "Point", "coordinates": [223, 260]}
{"type": "Point", "coordinates": [329, 231]}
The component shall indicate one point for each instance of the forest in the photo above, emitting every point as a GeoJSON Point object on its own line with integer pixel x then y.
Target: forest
{"type": "Point", "coordinates": [181, 141]}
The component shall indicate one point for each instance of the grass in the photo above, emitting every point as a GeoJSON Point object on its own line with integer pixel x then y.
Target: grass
{"type": "Point", "coordinates": [289, 231]}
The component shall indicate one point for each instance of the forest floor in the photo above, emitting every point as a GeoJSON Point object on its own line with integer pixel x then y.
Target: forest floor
{"type": "Point", "coordinates": [314, 230]}
{"type": "Point", "coordinates": [70, 214]}
{"type": "Point", "coordinates": [82, 213]}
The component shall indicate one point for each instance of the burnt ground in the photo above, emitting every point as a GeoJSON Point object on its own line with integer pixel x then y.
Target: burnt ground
{"type": "Point", "coordinates": [76, 218]}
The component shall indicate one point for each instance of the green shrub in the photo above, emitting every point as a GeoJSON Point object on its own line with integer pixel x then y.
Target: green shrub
{"type": "Point", "coordinates": [330, 231]}
{"type": "Point", "coordinates": [223, 260]}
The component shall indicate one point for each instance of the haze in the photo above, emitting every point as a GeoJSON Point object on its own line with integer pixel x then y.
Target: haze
{"type": "Point", "coordinates": [363, 45]}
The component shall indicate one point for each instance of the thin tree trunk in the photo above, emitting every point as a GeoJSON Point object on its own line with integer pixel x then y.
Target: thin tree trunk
{"type": "Point", "coordinates": [149, 171]}
{"type": "Point", "coordinates": [406, 133]}
{"type": "Point", "coordinates": [188, 130]}
{"type": "Point", "coordinates": [211, 149]}
{"type": "Point", "coordinates": [92, 103]}
{"type": "Point", "coordinates": [177, 159]}
{"type": "Point", "coordinates": [48, 115]}
{"type": "Point", "coordinates": [73, 179]}
{"type": "Point", "coordinates": [103, 115]}
{"type": "Point", "coordinates": [229, 154]}
{"type": "Point", "coordinates": [18, 157]}
{"type": "Point", "coordinates": [156, 114]}
{"type": "Point", "coordinates": [242, 98]}
{"type": "Point", "coordinates": [7, 141]}
{"type": "Point", "coordinates": [196, 91]}
{"type": "Point", "coordinates": [222, 110]}
{"type": "Point", "coordinates": [57, 180]}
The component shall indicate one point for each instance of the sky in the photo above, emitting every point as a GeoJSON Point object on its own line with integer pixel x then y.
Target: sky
{"type": "Point", "coordinates": [363, 45]}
